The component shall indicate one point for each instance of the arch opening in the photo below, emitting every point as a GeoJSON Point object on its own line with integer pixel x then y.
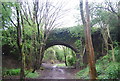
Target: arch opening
{"type": "Point", "coordinates": [60, 55]}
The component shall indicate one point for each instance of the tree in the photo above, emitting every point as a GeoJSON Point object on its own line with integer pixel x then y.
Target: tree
{"type": "Point", "coordinates": [105, 31]}
{"type": "Point", "coordinates": [105, 15]}
{"type": "Point", "coordinates": [88, 40]}
{"type": "Point", "coordinates": [65, 51]}
{"type": "Point", "coordinates": [40, 19]}
{"type": "Point", "coordinates": [43, 17]}
{"type": "Point", "coordinates": [19, 26]}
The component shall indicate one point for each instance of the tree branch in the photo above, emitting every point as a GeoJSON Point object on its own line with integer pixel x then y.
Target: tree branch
{"type": "Point", "coordinates": [9, 16]}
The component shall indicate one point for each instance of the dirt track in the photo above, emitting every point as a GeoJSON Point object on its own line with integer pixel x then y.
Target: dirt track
{"type": "Point", "coordinates": [53, 72]}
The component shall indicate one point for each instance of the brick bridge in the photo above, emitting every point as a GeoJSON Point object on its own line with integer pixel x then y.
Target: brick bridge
{"type": "Point", "coordinates": [64, 37]}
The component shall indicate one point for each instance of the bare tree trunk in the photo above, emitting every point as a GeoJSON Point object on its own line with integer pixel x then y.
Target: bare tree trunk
{"type": "Point", "coordinates": [19, 41]}
{"type": "Point", "coordinates": [42, 50]}
{"type": "Point", "coordinates": [111, 44]}
{"type": "Point", "coordinates": [105, 36]}
{"type": "Point", "coordinates": [89, 46]}
{"type": "Point", "coordinates": [65, 49]}
{"type": "Point", "coordinates": [34, 53]}
{"type": "Point", "coordinates": [82, 51]}
{"type": "Point", "coordinates": [77, 60]}
{"type": "Point", "coordinates": [118, 35]}
{"type": "Point", "coordinates": [37, 48]}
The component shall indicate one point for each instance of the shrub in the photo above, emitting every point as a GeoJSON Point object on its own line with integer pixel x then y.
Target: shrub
{"type": "Point", "coordinates": [103, 76]}
{"type": "Point", "coordinates": [11, 72]}
{"type": "Point", "coordinates": [16, 72]}
{"type": "Point", "coordinates": [83, 74]}
{"type": "Point", "coordinates": [117, 53]}
{"type": "Point", "coordinates": [106, 69]}
{"type": "Point", "coordinates": [70, 60]}
{"type": "Point", "coordinates": [113, 70]}
{"type": "Point", "coordinates": [32, 75]}
{"type": "Point", "coordinates": [60, 55]}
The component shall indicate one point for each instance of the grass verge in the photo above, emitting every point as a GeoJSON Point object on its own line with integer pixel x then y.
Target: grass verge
{"type": "Point", "coordinates": [16, 72]}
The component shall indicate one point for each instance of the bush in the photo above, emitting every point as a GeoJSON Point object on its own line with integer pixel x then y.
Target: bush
{"type": "Point", "coordinates": [16, 72]}
{"type": "Point", "coordinates": [106, 69]}
{"type": "Point", "coordinates": [103, 77]}
{"type": "Point", "coordinates": [11, 72]}
{"type": "Point", "coordinates": [113, 70]}
{"type": "Point", "coordinates": [60, 55]}
{"type": "Point", "coordinates": [99, 70]}
{"type": "Point", "coordinates": [83, 74]}
{"type": "Point", "coordinates": [70, 60]}
{"type": "Point", "coordinates": [32, 75]}
{"type": "Point", "coordinates": [117, 54]}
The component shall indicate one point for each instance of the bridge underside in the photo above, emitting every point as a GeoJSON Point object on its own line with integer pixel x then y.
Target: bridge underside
{"type": "Point", "coordinates": [50, 44]}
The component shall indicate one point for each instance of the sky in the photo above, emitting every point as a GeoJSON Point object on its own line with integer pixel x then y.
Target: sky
{"type": "Point", "coordinates": [69, 19]}
{"type": "Point", "coordinates": [72, 5]}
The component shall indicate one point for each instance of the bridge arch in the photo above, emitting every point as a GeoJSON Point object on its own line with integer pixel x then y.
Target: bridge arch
{"type": "Point", "coordinates": [67, 38]}
{"type": "Point", "coordinates": [48, 45]}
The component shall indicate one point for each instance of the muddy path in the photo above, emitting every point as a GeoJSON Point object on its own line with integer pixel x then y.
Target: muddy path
{"type": "Point", "coordinates": [54, 72]}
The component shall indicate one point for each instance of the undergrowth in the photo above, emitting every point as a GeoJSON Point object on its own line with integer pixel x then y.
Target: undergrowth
{"type": "Point", "coordinates": [106, 68]}
{"type": "Point", "coordinates": [16, 72]}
